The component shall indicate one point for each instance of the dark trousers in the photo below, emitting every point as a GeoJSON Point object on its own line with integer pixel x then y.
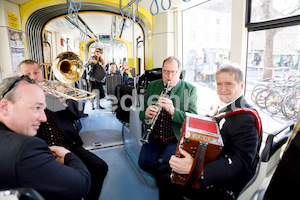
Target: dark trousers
{"type": "Point", "coordinates": [95, 85]}
{"type": "Point", "coordinates": [97, 168]}
{"type": "Point", "coordinates": [151, 152]}
{"type": "Point", "coordinates": [169, 190]}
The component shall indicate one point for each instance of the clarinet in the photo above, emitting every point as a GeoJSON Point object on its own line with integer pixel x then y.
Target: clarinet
{"type": "Point", "coordinates": [164, 93]}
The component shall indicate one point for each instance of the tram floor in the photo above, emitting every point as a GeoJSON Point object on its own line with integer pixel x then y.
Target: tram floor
{"type": "Point", "coordinates": [102, 134]}
{"type": "Point", "coordinates": [123, 181]}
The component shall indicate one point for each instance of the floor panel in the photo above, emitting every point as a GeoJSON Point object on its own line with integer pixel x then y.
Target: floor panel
{"type": "Point", "coordinates": [99, 139]}
{"type": "Point", "coordinates": [123, 181]}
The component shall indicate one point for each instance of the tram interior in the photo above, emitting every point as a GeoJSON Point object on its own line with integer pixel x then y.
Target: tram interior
{"type": "Point", "coordinates": [118, 142]}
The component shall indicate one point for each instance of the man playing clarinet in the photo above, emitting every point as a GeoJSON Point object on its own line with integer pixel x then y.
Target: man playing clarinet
{"type": "Point", "coordinates": [164, 137]}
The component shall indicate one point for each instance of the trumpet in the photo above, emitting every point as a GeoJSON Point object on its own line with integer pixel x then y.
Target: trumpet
{"type": "Point", "coordinates": [67, 68]}
{"type": "Point", "coordinates": [164, 93]}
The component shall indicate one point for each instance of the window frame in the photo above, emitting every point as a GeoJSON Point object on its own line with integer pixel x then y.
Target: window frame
{"type": "Point", "coordinates": [269, 24]}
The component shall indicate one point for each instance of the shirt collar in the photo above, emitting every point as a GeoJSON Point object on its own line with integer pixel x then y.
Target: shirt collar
{"type": "Point", "coordinates": [175, 86]}
{"type": "Point", "coordinates": [226, 107]}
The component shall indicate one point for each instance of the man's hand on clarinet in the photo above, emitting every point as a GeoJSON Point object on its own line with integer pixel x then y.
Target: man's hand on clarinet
{"type": "Point", "coordinates": [167, 104]}
{"type": "Point", "coordinates": [151, 112]}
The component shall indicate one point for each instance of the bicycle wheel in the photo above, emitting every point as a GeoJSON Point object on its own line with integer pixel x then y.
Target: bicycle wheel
{"type": "Point", "coordinates": [273, 102]}
{"type": "Point", "coordinates": [257, 89]}
{"type": "Point", "coordinates": [290, 106]}
{"type": "Point", "coordinates": [260, 98]}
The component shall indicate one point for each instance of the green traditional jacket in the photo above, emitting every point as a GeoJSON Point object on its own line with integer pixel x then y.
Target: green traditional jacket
{"type": "Point", "coordinates": [183, 95]}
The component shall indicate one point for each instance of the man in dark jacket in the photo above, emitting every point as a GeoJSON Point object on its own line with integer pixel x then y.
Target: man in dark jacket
{"type": "Point", "coordinates": [61, 129]}
{"type": "Point", "coordinates": [27, 161]}
{"type": "Point", "coordinates": [241, 131]}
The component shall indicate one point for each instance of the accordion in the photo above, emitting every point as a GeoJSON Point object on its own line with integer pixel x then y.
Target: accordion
{"type": "Point", "coordinates": [200, 136]}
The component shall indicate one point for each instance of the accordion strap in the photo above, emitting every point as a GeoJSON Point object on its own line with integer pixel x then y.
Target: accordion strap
{"type": "Point", "coordinates": [243, 110]}
{"type": "Point", "coordinates": [198, 164]}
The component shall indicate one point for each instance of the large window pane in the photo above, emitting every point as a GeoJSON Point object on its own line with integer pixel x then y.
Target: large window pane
{"type": "Point", "coordinates": [264, 10]}
{"type": "Point", "coordinates": [273, 63]}
{"type": "Point", "coordinates": [206, 45]}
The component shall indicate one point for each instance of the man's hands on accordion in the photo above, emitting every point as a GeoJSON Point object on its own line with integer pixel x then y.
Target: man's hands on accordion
{"type": "Point", "coordinates": [182, 165]}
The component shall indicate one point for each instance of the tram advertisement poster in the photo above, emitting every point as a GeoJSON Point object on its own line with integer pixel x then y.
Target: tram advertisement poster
{"type": "Point", "coordinates": [16, 47]}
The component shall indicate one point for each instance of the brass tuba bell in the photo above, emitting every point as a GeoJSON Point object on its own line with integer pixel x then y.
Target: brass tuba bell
{"type": "Point", "coordinates": [67, 68]}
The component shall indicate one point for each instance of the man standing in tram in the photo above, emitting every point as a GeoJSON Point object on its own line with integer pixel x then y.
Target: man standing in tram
{"type": "Point", "coordinates": [95, 74]}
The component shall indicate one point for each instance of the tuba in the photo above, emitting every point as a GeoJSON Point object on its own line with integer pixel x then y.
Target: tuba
{"type": "Point", "coordinates": [67, 68]}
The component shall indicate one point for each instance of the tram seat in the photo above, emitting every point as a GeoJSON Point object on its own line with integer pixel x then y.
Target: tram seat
{"type": "Point", "coordinates": [133, 145]}
{"type": "Point", "coordinates": [111, 83]}
{"type": "Point", "coordinates": [20, 194]}
{"type": "Point", "coordinates": [269, 159]}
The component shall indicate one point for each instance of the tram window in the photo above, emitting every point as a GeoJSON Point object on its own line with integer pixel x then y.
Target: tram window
{"type": "Point", "coordinates": [273, 60]}
{"type": "Point", "coordinates": [206, 45]}
{"type": "Point", "coordinates": [273, 74]}
{"type": "Point", "coordinates": [272, 81]}
{"type": "Point", "coordinates": [262, 10]}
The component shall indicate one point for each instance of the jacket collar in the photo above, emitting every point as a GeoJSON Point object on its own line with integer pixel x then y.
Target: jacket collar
{"type": "Point", "coordinates": [3, 127]}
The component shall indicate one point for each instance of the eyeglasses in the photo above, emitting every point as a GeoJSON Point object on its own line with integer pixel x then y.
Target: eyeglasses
{"type": "Point", "coordinates": [24, 77]}
{"type": "Point", "coordinates": [167, 72]}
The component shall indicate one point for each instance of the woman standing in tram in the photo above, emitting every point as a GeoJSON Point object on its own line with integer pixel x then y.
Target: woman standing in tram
{"type": "Point", "coordinates": [96, 73]}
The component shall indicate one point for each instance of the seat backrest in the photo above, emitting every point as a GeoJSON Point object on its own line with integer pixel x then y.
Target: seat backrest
{"type": "Point", "coordinates": [111, 83]}
{"type": "Point", "coordinates": [268, 161]}
{"type": "Point", "coordinates": [285, 180]}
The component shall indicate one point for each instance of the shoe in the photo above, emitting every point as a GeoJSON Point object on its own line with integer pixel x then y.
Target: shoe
{"type": "Point", "coordinates": [84, 115]}
{"type": "Point", "coordinates": [100, 107]}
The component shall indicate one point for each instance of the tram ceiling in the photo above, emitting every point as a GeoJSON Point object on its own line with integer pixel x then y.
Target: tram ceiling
{"type": "Point", "coordinates": [91, 24]}
{"type": "Point", "coordinates": [41, 17]}
{"type": "Point", "coordinates": [101, 23]}
{"type": "Point", "coordinates": [145, 4]}
{"type": "Point", "coordinates": [97, 23]}
{"type": "Point", "coordinates": [37, 20]}
{"type": "Point", "coordinates": [19, 2]}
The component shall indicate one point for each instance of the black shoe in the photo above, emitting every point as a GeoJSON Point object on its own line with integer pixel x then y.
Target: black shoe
{"type": "Point", "coordinates": [84, 115]}
{"type": "Point", "coordinates": [100, 107]}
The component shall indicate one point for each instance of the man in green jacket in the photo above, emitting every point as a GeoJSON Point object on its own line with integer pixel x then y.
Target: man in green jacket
{"type": "Point", "coordinates": [181, 97]}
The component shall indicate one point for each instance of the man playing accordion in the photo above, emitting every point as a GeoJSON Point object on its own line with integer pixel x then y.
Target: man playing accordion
{"type": "Point", "coordinates": [240, 129]}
